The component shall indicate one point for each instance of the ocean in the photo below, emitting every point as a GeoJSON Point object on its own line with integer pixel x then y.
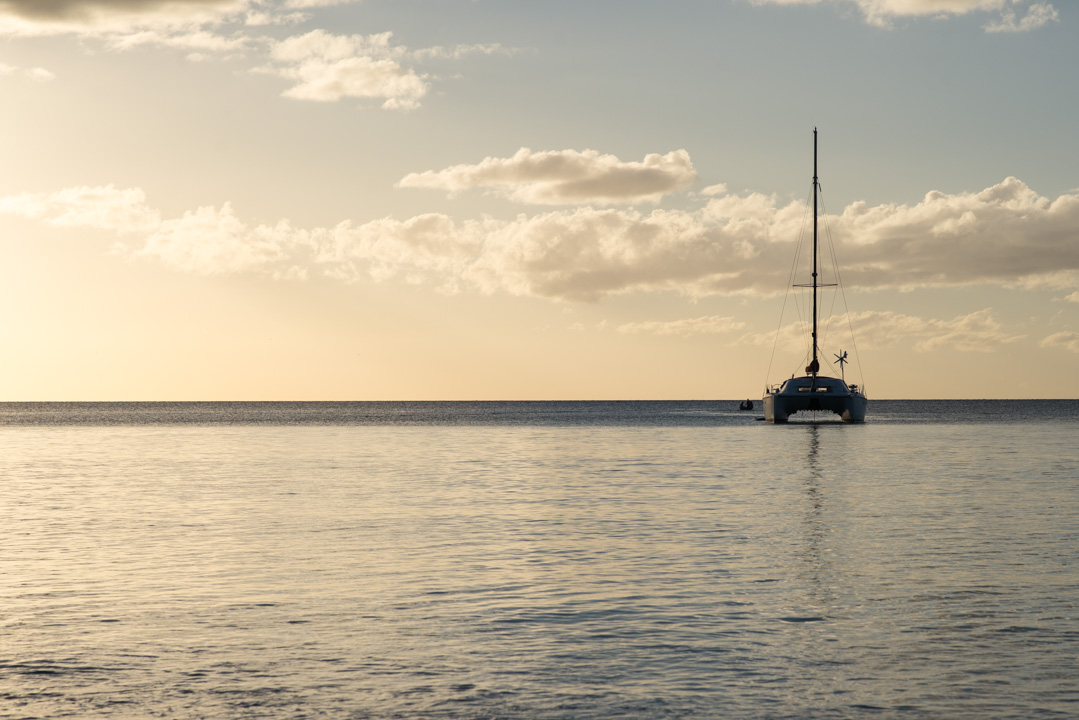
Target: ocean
{"type": "Point", "coordinates": [538, 560]}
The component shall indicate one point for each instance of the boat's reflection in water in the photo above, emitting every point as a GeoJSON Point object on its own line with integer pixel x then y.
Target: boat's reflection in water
{"type": "Point", "coordinates": [817, 570]}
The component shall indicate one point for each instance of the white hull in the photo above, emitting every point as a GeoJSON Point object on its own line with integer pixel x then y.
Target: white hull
{"type": "Point", "coordinates": [814, 394]}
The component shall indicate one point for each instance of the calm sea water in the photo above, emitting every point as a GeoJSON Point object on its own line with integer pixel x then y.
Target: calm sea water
{"type": "Point", "coordinates": [537, 560]}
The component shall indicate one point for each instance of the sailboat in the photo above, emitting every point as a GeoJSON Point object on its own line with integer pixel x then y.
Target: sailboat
{"type": "Point", "coordinates": [814, 391]}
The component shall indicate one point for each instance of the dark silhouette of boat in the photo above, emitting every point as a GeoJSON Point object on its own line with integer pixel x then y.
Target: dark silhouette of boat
{"type": "Point", "coordinates": [814, 391]}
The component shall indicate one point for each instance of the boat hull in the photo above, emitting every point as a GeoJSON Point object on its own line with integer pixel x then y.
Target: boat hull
{"type": "Point", "coordinates": [815, 394]}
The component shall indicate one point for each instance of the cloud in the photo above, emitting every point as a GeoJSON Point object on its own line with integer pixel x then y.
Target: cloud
{"type": "Point", "coordinates": [206, 241]}
{"type": "Point", "coordinates": [732, 245]}
{"type": "Point", "coordinates": [327, 68]}
{"type": "Point", "coordinates": [105, 208]}
{"type": "Point", "coordinates": [717, 189]}
{"type": "Point", "coordinates": [1038, 15]}
{"type": "Point", "coordinates": [1004, 234]}
{"type": "Point", "coordinates": [190, 25]}
{"type": "Point", "coordinates": [459, 51]}
{"type": "Point", "coordinates": [307, 4]}
{"type": "Point", "coordinates": [322, 67]}
{"type": "Point", "coordinates": [709, 324]}
{"type": "Point", "coordinates": [425, 247]}
{"type": "Point", "coordinates": [974, 332]}
{"type": "Point", "coordinates": [210, 241]}
{"type": "Point", "coordinates": [39, 74]}
{"type": "Point", "coordinates": [198, 40]}
{"type": "Point", "coordinates": [883, 12]}
{"type": "Point", "coordinates": [1066, 340]}
{"type": "Point", "coordinates": [565, 177]}
{"type": "Point", "coordinates": [105, 17]}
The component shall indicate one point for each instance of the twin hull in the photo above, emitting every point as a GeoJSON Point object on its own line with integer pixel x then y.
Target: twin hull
{"type": "Point", "coordinates": [814, 393]}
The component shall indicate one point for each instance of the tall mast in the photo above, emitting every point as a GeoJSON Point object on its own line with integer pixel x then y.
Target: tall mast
{"type": "Point", "coordinates": [816, 186]}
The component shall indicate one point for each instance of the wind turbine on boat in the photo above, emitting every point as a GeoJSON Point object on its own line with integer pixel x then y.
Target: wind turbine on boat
{"type": "Point", "coordinates": [842, 360]}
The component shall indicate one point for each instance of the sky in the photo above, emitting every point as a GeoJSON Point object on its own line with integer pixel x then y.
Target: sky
{"type": "Point", "coordinates": [510, 200]}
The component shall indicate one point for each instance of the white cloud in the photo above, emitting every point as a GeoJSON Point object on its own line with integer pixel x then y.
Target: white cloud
{"type": "Point", "coordinates": [1038, 15]}
{"type": "Point", "coordinates": [198, 40]}
{"type": "Point", "coordinates": [1005, 234]}
{"type": "Point", "coordinates": [565, 177]}
{"type": "Point", "coordinates": [39, 74]}
{"type": "Point", "coordinates": [211, 241]}
{"type": "Point", "coordinates": [207, 241]}
{"type": "Point", "coordinates": [422, 247]}
{"type": "Point", "coordinates": [322, 67]}
{"type": "Point", "coordinates": [329, 67]}
{"type": "Point", "coordinates": [105, 208]}
{"type": "Point", "coordinates": [707, 325]}
{"type": "Point", "coordinates": [259, 18]}
{"type": "Point", "coordinates": [1066, 340]}
{"type": "Point", "coordinates": [883, 12]}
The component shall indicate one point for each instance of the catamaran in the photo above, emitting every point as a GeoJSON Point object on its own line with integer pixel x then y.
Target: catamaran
{"type": "Point", "coordinates": [814, 391]}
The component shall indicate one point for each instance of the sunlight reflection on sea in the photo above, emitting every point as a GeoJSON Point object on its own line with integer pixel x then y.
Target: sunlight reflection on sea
{"type": "Point", "coordinates": [544, 571]}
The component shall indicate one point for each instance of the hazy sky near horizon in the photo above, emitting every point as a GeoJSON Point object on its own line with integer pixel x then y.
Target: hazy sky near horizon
{"type": "Point", "coordinates": [498, 199]}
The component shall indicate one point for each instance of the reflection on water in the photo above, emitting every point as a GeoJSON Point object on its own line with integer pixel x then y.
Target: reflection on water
{"type": "Point", "coordinates": [814, 523]}
{"type": "Point", "coordinates": [539, 571]}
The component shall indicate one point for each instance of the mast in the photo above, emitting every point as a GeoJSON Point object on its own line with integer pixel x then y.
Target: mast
{"type": "Point", "coordinates": [816, 186]}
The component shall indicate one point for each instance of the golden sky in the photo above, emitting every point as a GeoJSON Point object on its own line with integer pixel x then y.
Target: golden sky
{"type": "Point", "coordinates": [470, 199]}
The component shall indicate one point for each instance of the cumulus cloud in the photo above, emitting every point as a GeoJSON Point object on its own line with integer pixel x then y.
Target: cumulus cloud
{"type": "Point", "coordinates": [565, 177]}
{"type": "Point", "coordinates": [211, 241]}
{"type": "Point", "coordinates": [706, 325]}
{"type": "Point", "coordinates": [734, 244]}
{"type": "Point", "coordinates": [422, 248]}
{"type": "Point", "coordinates": [328, 67]}
{"type": "Point", "coordinates": [1066, 340]}
{"type": "Point", "coordinates": [1004, 234]}
{"type": "Point", "coordinates": [883, 12]}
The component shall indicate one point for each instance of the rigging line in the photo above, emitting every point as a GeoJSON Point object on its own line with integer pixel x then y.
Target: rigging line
{"type": "Point", "coordinates": [827, 239]}
{"type": "Point", "coordinates": [835, 265]}
{"type": "Point", "coordinates": [786, 294]}
{"type": "Point", "coordinates": [843, 292]}
{"type": "Point", "coordinates": [803, 299]}
{"type": "Point", "coordinates": [805, 309]}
